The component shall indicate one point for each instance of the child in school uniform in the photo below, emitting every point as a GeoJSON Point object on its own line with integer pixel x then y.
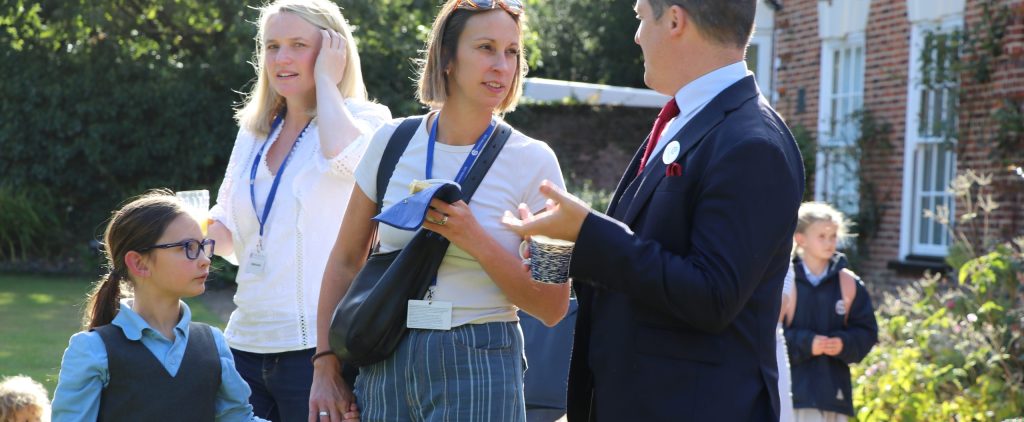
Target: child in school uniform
{"type": "Point", "coordinates": [141, 357]}
{"type": "Point", "coordinates": [834, 323]}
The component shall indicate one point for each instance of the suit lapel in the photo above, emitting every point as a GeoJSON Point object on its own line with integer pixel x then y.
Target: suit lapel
{"type": "Point", "coordinates": [627, 180]}
{"type": "Point", "coordinates": [691, 134]}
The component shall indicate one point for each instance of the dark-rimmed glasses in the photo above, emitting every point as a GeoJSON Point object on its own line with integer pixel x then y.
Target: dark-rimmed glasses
{"type": "Point", "coordinates": [514, 7]}
{"type": "Point", "coordinates": [192, 247]}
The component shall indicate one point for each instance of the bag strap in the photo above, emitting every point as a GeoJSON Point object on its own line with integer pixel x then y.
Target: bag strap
{"type": "Point", "coordinates": [396, 146]}
{"type": "Point", "coordinates": [400, 140]}
{"type": "Point", "coordinates": [484, 161]}
{"type": "Point", "coordinates": [848, 290]}
{"type": "Point", "coordinates": [386, 167]}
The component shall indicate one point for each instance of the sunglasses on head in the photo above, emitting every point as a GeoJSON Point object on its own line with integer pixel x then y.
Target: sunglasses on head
{"type": "Point", "coordinates": [514, 7]}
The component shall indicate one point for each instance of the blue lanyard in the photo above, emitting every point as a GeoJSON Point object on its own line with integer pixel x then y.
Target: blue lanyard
{"type": "Point", "coordinates": [473, 154]}
{"type": "Point", "coordinates": [277, 178]}
{"type": "Point", "coordinates": [463, 172]}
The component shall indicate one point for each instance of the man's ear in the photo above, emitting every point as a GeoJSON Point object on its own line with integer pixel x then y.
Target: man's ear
{"type": "Point", "coordinates": [136, 264]}
{"type": "Point", "coordinates": [678, 18]}
{"type": "Point", "coordinates": [798, 238]}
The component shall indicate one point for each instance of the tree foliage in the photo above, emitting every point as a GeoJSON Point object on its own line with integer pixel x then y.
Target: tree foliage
{"type": "Point", "coordinates": [108, 98]}
{"type": "Point", "coordinates": [587, 41]}
{"type": "Point", "coordinates": [111, 98]}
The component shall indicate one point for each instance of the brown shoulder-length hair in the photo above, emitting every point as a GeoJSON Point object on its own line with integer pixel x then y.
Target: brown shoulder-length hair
{"type": "Point", "coordinates": [137, 225]}
{"type": "Point", "coordinates": [440, 53]}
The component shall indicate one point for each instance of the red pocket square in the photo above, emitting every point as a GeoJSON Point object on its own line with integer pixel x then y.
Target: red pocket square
{"type": "Point", "coordinates": [673, 170]}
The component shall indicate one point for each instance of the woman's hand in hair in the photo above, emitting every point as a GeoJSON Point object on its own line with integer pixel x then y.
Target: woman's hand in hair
{"type": "Point", "coordinates": [332, 59]}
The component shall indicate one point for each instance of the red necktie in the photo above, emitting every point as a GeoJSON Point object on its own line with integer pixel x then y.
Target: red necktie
{"type": "Point", "coordinates": [668, 112]}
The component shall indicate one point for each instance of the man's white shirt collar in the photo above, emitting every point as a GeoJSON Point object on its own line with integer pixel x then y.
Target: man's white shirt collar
{"type": "Point", "coordinates": [694, 96]}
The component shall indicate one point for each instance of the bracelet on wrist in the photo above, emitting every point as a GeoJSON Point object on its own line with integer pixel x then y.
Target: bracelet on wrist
{"type": "Point", "coordinates": [319, 355]}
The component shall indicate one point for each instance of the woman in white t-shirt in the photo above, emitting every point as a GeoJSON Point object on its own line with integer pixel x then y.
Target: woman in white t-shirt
{"type": "Point", "coordinates": [472, 71]}
{"type": "Point", "coordinates": [303, 130]}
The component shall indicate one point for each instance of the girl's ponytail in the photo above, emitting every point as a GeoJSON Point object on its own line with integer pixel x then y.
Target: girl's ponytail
{"type": "Point", "coordinates": [104, 301]}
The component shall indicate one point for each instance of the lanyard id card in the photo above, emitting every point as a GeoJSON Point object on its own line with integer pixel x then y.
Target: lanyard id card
{"type": "Point", "coordinates": [257, 263]}
{"type": "Point", "coordinates": [429, 314]}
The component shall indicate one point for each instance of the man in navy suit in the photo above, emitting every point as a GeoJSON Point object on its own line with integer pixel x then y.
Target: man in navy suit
{"type": "Point", "coordinates": [680, 283]}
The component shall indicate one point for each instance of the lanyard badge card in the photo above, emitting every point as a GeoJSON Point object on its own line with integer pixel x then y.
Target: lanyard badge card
{"type": "Point", "coordinates": [257, 263]}
{"type": "Point", "coordinates": [430, 314]}
{"type": "Point", "coordinates": [257, 260]}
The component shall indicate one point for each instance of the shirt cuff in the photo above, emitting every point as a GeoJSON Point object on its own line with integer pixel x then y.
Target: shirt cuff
{"type": "Point", "coordinates": [345, 163]}
{"type": "Point", "coordinates": [220, 214]}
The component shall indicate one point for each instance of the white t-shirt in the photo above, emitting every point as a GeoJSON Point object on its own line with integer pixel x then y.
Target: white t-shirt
{"type": "Point", "coordinates": [277, 309]}
{"type": "Point", "coordinates": [513, 178]}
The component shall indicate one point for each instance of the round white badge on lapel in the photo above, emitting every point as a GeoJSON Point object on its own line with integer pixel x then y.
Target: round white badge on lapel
{"type": "Point", "coordinates": [671, 152]}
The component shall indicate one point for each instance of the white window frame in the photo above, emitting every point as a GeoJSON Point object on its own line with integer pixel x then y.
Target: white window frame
{"type": "Point", "coordinates": [917, 145]}
{"type": "Point", "coordinates": [764, 29]}
{"type": "Point", "coordinates": [837, 135]}
{"type": "Point", "coordinates": [763, 73]}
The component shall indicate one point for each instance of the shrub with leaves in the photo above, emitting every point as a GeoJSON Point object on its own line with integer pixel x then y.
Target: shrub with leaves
{"type": "Point", "coordinates": [25, 219]}
{"type": "Point", "coordinates": [952, 349]}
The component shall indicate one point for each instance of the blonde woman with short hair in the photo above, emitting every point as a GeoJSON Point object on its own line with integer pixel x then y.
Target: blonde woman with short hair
{"type": "Point", "coordinates": [302, 130]}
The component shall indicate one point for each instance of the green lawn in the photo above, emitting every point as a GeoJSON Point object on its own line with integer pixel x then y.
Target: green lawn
{"type": "Point", "coordinates": [37, 317]}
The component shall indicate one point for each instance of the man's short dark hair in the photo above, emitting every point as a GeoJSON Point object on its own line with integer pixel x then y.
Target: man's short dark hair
{"type": "Point", "coordinates": [730, 22]}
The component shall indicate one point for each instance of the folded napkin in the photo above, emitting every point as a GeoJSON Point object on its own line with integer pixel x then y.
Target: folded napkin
{"type": "Point", "coordinates": [408, 213]}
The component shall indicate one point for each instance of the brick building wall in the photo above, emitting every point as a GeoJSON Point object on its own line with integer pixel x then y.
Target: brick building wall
{"type": "Point", "coordinates": [886, 67]}
{"type": "Point", "coordinates": [980, 100]}
{"type": "Point", "coordinates": [886, 64]}
{"type": "Point", "coordinates": [798, 48]}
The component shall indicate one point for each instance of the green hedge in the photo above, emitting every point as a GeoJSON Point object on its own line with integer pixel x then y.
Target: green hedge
{"type": "Point", "coordinates": [108, 98]}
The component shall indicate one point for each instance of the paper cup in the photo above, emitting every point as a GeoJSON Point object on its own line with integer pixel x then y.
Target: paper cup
{"type": "Point", "coordinates": [549, 258]}
{"type": "Point", "coordinates": [198, 204]}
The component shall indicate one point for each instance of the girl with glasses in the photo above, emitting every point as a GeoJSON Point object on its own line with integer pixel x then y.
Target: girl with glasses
{"type": "Point", "coordinates": [140, 356]}
{"type": "Point", "coordinates": [472, 368]}
{"type": "Point", "coordinates": [302, 131]}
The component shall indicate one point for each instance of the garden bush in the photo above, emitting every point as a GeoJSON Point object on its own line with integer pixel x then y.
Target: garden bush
{"type": "Point", "coordinates": [951, 348]}
{"type": "Point", "coordinates": [24, 218]}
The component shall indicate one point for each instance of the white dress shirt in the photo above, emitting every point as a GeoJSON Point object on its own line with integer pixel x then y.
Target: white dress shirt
{"type": "Point", "coordinates": [692, 98]}
{"type": "Point", "coordinates": [277, 309]}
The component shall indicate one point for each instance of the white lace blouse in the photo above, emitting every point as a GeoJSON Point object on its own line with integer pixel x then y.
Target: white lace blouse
{"type": "Point", "coordinates": [277, 308]}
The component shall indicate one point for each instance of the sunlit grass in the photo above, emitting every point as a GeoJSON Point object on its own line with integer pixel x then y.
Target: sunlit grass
{"type": "Point", "coordinates": [37, 317]}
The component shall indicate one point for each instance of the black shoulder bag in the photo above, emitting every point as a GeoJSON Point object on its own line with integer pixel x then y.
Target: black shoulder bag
{"type": "Point", "coordinates": [369, 322]}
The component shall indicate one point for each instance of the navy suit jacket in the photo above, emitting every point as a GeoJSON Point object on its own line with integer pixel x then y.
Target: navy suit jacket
{"type": "Point", "coordinates": [680, 283]}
